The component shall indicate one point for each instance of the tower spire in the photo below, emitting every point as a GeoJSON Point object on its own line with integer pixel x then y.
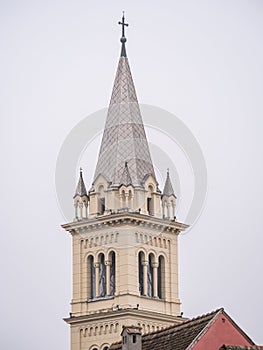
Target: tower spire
{"type": "Point", "coordinates": [123, 39]}
{"type": "Point", "coordinates": [124, 138]}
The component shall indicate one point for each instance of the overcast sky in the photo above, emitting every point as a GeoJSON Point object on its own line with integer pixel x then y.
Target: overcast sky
{"type": "Point", "coordinates": [200, 60]}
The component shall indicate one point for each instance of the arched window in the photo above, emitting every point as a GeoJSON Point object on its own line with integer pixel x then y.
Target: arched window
{"type": "Point", "coordinates": [102, 275]}
{"type": "Point", "coordinates": [140, 272]}
{"type": "Point", "coordinates": [91, 277]}
{"type": "Point", "coordinates": [112, 273]}
{"type": "Point", "coordinates": [106, 348]}
{"type": "Point", "coordinates": [150, 276]}
{"type": "Point", "coordinates": [161, 277]}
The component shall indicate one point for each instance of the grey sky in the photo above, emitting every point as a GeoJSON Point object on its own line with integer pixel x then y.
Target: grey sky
{"type": "Point", "coordinates": [201, 60]}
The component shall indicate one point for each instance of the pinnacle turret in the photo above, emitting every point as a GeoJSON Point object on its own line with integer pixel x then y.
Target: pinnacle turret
{"type": "Point", "coordinates": [81, 188]}
{"type": "Point", "coordinates": [168, 188]}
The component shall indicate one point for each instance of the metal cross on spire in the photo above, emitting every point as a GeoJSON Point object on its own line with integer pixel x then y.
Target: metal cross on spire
{"type": "Point", "coordinates": [123, 39]}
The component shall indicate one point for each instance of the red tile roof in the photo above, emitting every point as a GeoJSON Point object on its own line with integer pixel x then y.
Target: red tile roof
{"type": "Point", "coordinates": [176, 337]}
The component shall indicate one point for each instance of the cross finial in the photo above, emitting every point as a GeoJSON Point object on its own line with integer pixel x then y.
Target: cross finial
{"type": "Point", "coordinates": [123, 39]}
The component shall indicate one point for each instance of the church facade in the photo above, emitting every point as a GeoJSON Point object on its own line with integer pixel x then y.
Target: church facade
{"type": "Point", "coordinates": [124, 232]}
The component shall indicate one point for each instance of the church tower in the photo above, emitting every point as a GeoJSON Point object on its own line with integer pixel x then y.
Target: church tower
{"type": "Point", "coordinates": [124, 232]}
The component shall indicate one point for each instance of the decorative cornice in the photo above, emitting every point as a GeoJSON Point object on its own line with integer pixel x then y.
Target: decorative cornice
{"type": "Point", "coordinates": [118, 314]}
{"type": "Point", "coordinates": [126, 218]}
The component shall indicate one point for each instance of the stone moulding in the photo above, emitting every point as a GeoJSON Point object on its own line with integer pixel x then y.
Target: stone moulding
{"type": "Point", "coordinates": [132, 219]}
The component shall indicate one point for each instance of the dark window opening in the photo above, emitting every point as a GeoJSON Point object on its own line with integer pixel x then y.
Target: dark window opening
{"type": "Point", "coordinates": [102, 205]}
{"type": "Point", "coordinates": [160, 277]}
{"type": "Point", "coordinates": [91, 277]}
{"type": "Point", "coordinates": [159, 272]}
{"type": "Point", "coordinates": [150, 277]}
{"type": "Point", "coordinates": [102, 278]}
{"type": "Point", "coordinates": [112, 274]}
{"type": "Point", "coordinates": [134, 339]}
{"type": "Point", "coordinates": [149, 205]}
{"type": "Point", "coordinates": [140, 274]}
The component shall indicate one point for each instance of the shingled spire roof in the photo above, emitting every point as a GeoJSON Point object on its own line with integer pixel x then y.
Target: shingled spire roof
{"type": "Point", "coordinates": [168, 188]}
{"type": "Point", "coordinates": [81, 188]}
{"type": "Point", "coordinates": [124, 136]}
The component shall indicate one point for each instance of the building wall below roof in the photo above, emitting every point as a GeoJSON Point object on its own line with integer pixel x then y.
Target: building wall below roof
{"type": "Point", "coordinates": [223, 331]}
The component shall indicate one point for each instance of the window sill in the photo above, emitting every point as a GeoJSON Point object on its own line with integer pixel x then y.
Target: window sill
{"type": "Point", "coordinates": [100, 298]}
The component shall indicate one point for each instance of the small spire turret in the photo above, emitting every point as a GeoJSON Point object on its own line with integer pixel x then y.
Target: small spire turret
{"type": "Point", "coordinates": [81, 188]}
{"type": "Point", "coordinates": [81, 199]}
{"type": "Point", "coordinates": [168, 188]}
{"type": "Point", "coordinates": [168, 199]}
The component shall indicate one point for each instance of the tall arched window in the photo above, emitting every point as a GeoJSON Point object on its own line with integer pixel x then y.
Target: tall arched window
{"type": "Point", "coordinates": [91, 277]}
{"type": "Point", "coordinates": [161, 277]}
{"type": "Point", "coordinates": [140, 272]}
{"type": "Point", "coordinates": [112, 273]}
{"type": "Point", "coordinates": [102, 275]}
{"type": "Point", "coordinates": [150, 276]}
